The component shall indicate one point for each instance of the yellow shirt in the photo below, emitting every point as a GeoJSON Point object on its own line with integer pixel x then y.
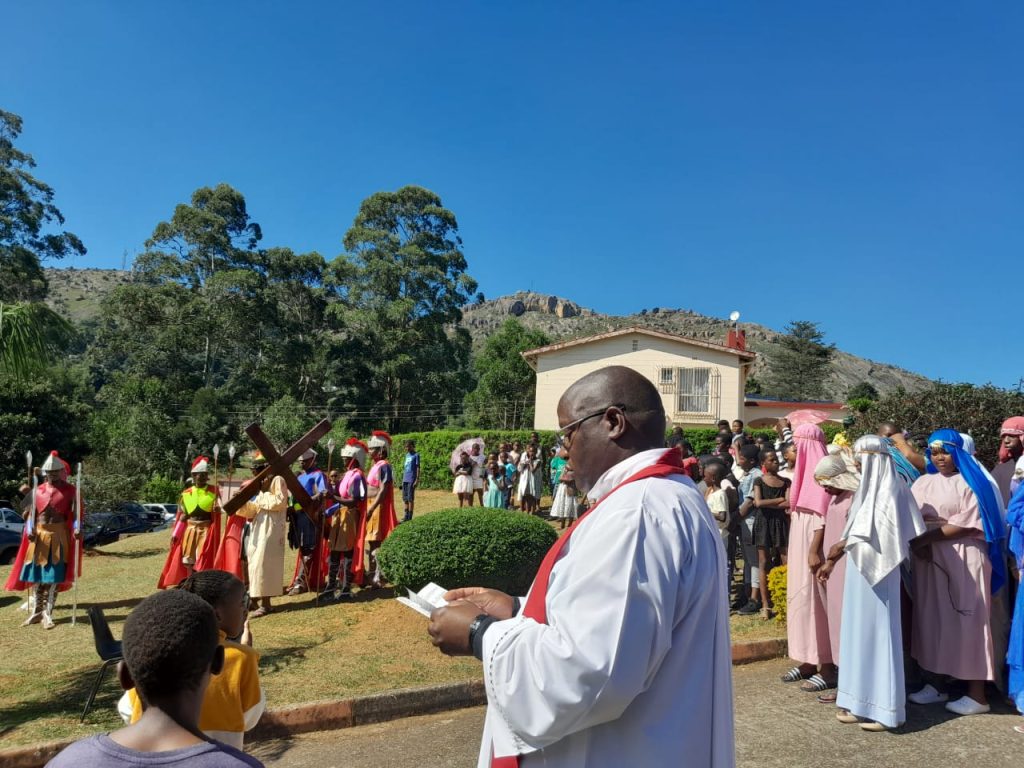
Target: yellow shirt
{"type": "Point", "coordinates": [233, 703]}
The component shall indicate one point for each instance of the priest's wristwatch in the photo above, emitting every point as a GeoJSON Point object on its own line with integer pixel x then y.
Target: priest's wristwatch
{"type": "Point", "coordinates": [476, 633]}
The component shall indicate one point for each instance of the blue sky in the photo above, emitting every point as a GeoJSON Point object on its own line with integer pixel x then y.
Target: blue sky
{"type": "Point", "coordinates": [857, 164]}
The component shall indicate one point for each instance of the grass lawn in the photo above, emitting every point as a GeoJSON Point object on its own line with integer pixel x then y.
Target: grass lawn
{"type": "Point", "coordinates": [366, 645]}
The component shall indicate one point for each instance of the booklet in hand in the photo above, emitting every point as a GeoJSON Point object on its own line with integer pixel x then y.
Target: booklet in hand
{"type": "Point", "coordinates": [428, 599]}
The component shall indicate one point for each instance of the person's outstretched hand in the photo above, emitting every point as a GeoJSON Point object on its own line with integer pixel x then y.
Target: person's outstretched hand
{"type": "Point", "coordinates": [490, 601]}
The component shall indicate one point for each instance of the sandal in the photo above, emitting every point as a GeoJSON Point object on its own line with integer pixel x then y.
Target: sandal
{"type": "Point", "coordinates": [816, 683]}
{"type": "Point", "coordinates": [766, 614]}
{"type": "Point", "coordinates": [792, 676]}
{"type": "Point", "coordinates": [258, 613]}
{"type": "Point", "coordinates": [828, 698]}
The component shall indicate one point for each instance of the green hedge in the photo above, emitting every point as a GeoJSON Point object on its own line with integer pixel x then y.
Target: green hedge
{"type": "Point", "coordinates": [435, 448]}
{"type": "Point", "coordinates": [470, 547]}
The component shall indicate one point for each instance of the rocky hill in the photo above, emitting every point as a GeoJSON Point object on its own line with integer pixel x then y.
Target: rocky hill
{"type": "Point", "coordinates": [77, 293]}
{"type": "Point", "coordinates": [564, 319]}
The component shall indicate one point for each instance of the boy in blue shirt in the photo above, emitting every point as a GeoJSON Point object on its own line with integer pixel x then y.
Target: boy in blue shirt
{"type": "Point", "coordinates": [410, 478]}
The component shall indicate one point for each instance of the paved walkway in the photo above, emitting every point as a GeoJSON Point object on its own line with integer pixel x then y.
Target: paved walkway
{"type": "Point", "coordinates": [776, 727]}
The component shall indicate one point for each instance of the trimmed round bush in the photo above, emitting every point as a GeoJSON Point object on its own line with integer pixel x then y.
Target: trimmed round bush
{"type": "Point", "coordinates": [469, 547]}
{"type": "Point", "coordinates": [777, 586]}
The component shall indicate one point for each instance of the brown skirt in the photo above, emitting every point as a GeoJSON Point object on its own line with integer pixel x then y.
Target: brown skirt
{"type": "Point", "coordinates": [193, 540]}
{"type": "Point", "coordinates": [342, 536]}
{"type": "Point", "coordinates": [50, 546]}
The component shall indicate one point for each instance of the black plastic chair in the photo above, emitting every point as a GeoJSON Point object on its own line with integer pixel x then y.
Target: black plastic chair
{"type": "Point", "coordinates": [107, 647]}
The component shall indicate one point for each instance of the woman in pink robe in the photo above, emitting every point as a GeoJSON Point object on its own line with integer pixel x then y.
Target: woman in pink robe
{"type": "Point", "coordinates": [952, 588]}
{"type": "Point", "coordinates": [840, 479]}
{"type": "Point", "coordinates": [806, 617]}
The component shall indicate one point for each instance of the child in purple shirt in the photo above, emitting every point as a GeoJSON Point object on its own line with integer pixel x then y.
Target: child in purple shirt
{"type": "Point", "coordinates": [171, 648]}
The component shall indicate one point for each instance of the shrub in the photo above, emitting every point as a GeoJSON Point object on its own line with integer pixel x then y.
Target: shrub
{"type": "Point", "coordinates": [777, 588]}
{"type": "Point", "coordinates": [477, 547]}
{"type": "Point", "coordinates": [160, 490]}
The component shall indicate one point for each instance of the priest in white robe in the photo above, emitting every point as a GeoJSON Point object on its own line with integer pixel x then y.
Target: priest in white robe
{"type": "Point", "coordinates": [620, 655]}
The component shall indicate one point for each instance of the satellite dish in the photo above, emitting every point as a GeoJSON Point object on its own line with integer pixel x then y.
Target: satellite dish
{"type": "Point", "coordinates": [734, 316]}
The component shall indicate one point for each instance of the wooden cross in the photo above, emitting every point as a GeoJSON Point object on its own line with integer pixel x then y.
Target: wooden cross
{"type": "Point", "coordinates": [279, 464]}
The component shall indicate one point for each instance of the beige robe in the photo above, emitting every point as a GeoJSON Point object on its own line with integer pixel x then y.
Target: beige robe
{"type": "Point", "coordinates": [268, 526]}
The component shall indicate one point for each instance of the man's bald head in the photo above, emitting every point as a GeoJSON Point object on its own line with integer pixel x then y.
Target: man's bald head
{"type": "Point", "coordinates": [624, 416]}
{"type": "Point", "coordinates": [618, 385]}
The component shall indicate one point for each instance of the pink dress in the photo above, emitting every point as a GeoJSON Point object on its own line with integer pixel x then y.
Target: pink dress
{"type": "Point", "coordinates": [952, 632]}
{"type": "Point", "coordinates": [806, 617]}
{"type": "Point", "coordinates": [835, 523]}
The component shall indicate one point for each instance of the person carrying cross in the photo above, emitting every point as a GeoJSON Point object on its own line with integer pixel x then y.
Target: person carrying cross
{"type": "Point", "coordinates": [266, 528]}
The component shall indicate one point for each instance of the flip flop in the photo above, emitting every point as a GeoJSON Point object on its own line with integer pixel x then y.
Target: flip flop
{"type": "Point", "coordinates": [794, 675]}
{"type": "Point", "coordinates": [258, 613]}
{"type": "Point", "coordinates": [815, 684]}
{"type": "Point", "coordinates": [828, 698]}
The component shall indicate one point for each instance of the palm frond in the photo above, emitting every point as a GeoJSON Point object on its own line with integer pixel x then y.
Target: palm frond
{"type": "Point", "coordinates": [31, 336]}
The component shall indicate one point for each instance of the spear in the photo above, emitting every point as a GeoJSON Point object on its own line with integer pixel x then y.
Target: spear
{"type": "Point", "coordinates": [30, 522]}
{"type": "Point", "coordinates": [330, 453]}
{"type": "Point", "coordinates": [77, 549]}
{"type": "Point", "coordinates": [216, 452]}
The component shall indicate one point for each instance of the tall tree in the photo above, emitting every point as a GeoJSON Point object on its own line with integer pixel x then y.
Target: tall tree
{"type": "Point", "coordinates": [27, 218]}
{"type": "Point", "coordinates": [504, 393]}
{"type": "Point", "coordinates": [800, 365]}
{"type": "Point", "coordinates": [402, 285]}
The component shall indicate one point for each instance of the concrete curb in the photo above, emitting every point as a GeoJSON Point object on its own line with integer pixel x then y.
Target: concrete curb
{"type": "Point", "coordinates": [380, 707]}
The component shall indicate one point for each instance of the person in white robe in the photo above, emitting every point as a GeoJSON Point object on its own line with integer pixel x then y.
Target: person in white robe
{"type": "Point", "coordinates": [620, 655]}
{"type": "Point", "coordinates": [267, 513]}
{"type": "Point", "coordinates": [883, 519]}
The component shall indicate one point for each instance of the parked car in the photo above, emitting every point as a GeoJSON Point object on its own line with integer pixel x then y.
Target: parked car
{"type": "Point", "coordinates": [10, 520]}
{"type": "Point", "coordinates": [106, 527]}
{"type": "Point", "coordinates": [9, 543]}
{"type": "Point", "coordinates": [166, 511]}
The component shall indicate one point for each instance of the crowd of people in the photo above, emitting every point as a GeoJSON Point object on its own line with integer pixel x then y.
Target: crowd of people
{"type": "Point", "coordinates": [897, 560]}
{"type": "Point", "coordinates": [902, 562]}
{"type": "Point", "coordinates": [514, 477]}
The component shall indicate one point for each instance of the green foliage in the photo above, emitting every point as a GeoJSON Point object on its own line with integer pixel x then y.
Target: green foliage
{"type": "Point", "coordinates": [799, 368]}
{"type": "Point", "coordinates": [40, 414]}
{"type": "Point", "coordinates": [504, 377]}
{"type": "Point", "coordinates": [863, 391]}
{"type": "Point", "coordinates": [160, 489]}
{"type": "Point", "coordinates": [493, 548]}
{"type": "Point", "coordinates": [31, 335]}
{"type": "Point", "coordinates": [401, 288]}
{"type": "Point", "coordinates": [435, 449]}
{"type": "Point", "coordinates": [978, 411]}
{"type": "Point", "coordinates": [26, 213]}
{"type": "Point", "coordinates": [777, 588]}
{"type": "Point", "coordinates": [859, 404]}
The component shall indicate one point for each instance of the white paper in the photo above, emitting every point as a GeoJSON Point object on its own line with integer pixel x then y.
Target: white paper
{"type": "Point", "coordinates": [426, 600]}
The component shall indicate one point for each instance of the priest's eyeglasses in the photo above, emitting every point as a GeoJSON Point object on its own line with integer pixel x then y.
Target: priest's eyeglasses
{"type": "Point", "coordinates": [563, 437]}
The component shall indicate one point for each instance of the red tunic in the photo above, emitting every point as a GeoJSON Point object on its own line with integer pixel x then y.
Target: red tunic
{"type": "Point", "coordinates": [388, 520]}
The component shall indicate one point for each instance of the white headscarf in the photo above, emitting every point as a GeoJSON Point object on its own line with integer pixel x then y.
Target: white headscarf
{"type": "Point", "coordinates": [832, 471]}
{"type": "Point", "coordinates": [883, 517]}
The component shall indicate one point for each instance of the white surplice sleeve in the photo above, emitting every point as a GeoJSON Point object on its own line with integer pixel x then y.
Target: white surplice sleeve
{"type": "Point", "coordinates": [611, 611]}
{"type": "Point", "coordinates": [273, 500]}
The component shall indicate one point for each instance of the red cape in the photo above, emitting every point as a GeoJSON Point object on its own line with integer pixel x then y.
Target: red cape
{"type": "Point", "coordinates": [315, 579]}
{"type": "Point", "coordinates": [229, 554]}
{"type": "Point", "coordinates": [388, 523]}
{"type": "Point", "coordinates": [174, 570]}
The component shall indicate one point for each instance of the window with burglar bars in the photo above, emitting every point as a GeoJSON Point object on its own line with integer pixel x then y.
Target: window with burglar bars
{"type": "Point", "coordinates": [697, 390]}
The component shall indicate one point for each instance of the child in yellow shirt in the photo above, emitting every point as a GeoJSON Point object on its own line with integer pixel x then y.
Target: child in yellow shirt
{"type": "Point", "coordinates": [234, 702]}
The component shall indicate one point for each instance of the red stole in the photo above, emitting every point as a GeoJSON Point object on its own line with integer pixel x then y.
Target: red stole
{"type": "Point", "coordinates": [670, 463]}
